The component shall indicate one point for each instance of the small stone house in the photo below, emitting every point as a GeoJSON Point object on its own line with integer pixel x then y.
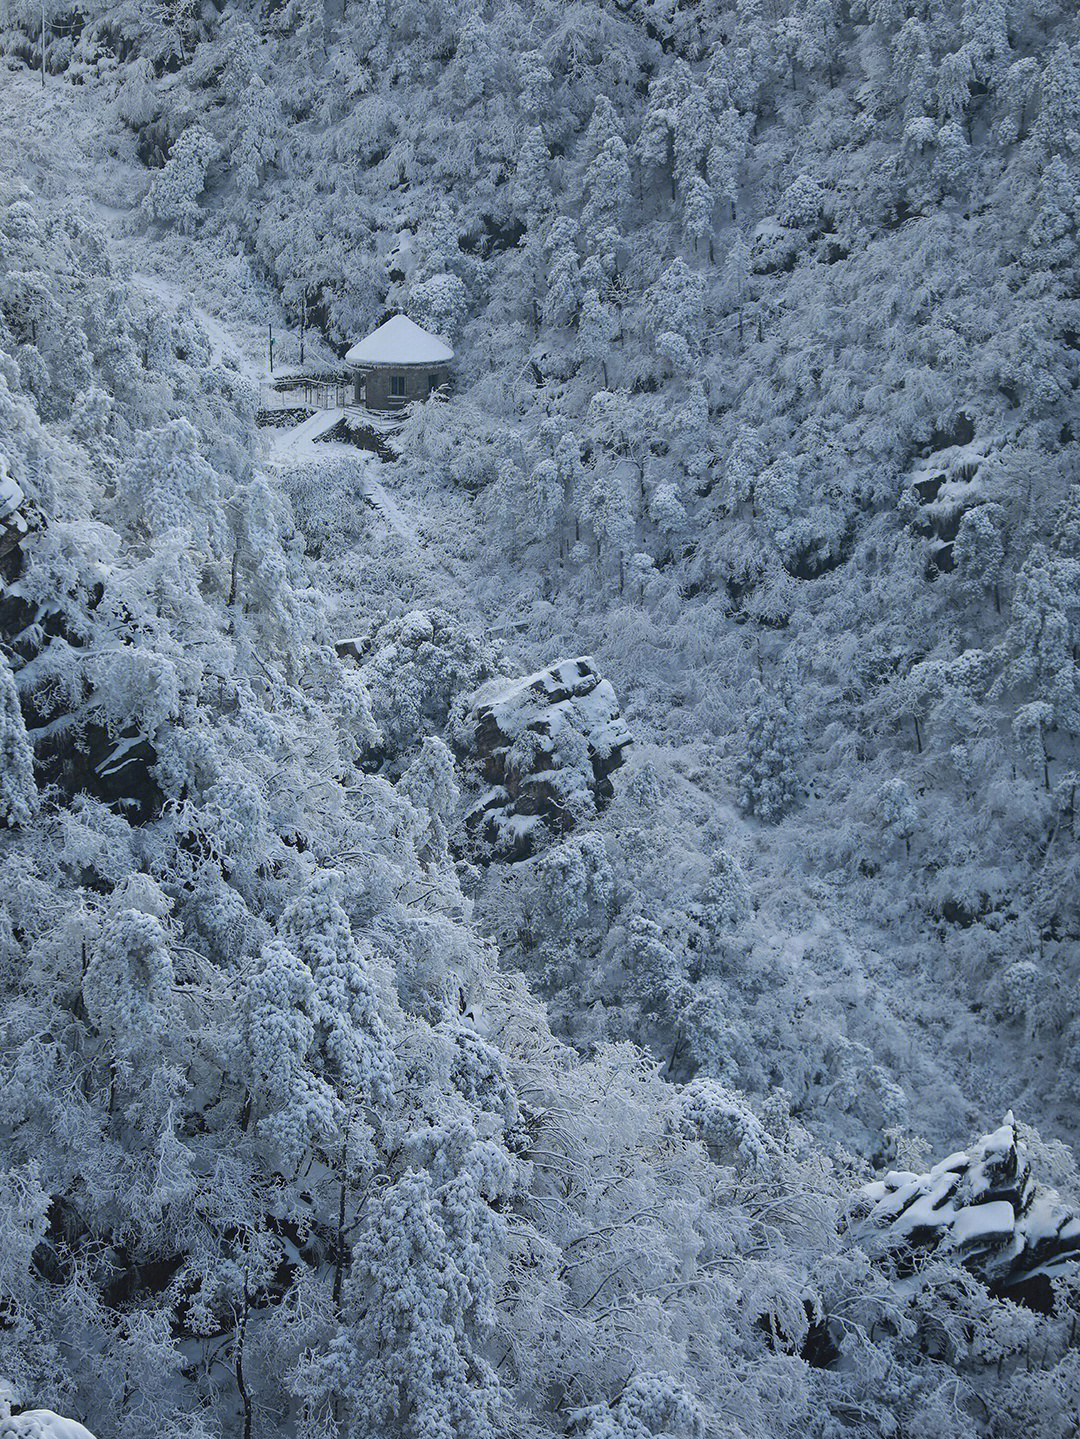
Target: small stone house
{"type": "Point", "coordinates": [398, 364]}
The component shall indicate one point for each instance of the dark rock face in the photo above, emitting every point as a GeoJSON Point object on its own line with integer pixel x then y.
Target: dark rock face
{"type": "Point", "coordinates": [86, 759]}
{"type": "Point", "coordinates": [72, 751]}
{"type": "Point", "coordinates": [981, 1208]}
{"type": "Point", "coordinates": [547, 744]}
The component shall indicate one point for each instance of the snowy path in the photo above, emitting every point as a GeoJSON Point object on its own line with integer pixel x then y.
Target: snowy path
{"type": "Point", "coordinates": [381, 500]}
{"type": "Point", "coordinates": [294, 443]}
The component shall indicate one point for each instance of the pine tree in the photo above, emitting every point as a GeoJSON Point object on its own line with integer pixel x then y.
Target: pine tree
{"type": "Point", "coordinates": [691, 139]}
{"type": "Point", "coordinates": [897, 810]}
{"type": "Point", "coordinates": [293, 1108]}
{"type": "Point", "coordinates": [532, 186]}
{"type": "Point", "coordinates": [955, 76]}
{"type": "Point", "coordinates": [563, 282]}
{"type": "Point", "coordinates": [726, 154]}
{"type": "Point", "coordinates": [1041, 641]}
{"type": "Point", "coordinates": [439, 304]}
{"type": "Point", "coordinates": [168, 485]}
{"type": "Point", "coordinates": [138, 101]}
{"type": "Point", "coordinates": [979, 551]}
{"type": "Point", "coordinates": [607, 187]}
{"type": "Point", "coordinates": [257, 141]}
{"type": "Point", "coordinates": [697, 209]}
{"type": "Point", "coordinates": [129, 979]}
{"type": "Point", "coordinates": [1058, 120]}
{"type": "Point", "coordinates": [595, 332]}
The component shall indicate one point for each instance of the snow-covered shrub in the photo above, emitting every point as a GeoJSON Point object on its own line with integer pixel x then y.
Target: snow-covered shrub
{"type": "Point", "coordinates": [328, 497]}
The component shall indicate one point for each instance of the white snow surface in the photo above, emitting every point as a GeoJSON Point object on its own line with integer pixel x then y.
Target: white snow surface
{"type": "Point", "coordinates": [294, 442]}
{"type": "Point", "coordinates": [44, 1424]}
{"type": "Point", "coordinates": [400, 341]}
{"type": "Point", "coordinates": [11, 494]}
{"type": "Point", "coordinates": [223, 344]}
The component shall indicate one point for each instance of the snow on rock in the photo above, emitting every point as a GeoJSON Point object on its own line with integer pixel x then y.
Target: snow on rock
{"type": "Point", "coordinates": [44, 1424]}
{"type": "Point", "coordinates": [941, 489]}
{"type": "Point", "coordinates": [547, 744]}
{"type": "Point", "coordinates": [11, 494]}
{"type": "Point", "coordinates": [36, 1423]}
{"type": "Point", "coordinates": [14, 523]}
{"type": "Point", "coordinates": [982, 1207]}
{"type": "Point", "coordinates": [399, 342]}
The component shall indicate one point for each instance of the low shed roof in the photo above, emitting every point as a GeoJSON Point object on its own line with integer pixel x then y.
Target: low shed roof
{"type": "Point", "coordinates": [399, 342]}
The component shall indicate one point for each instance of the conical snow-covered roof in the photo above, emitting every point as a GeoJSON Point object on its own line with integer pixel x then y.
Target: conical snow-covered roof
{"type": "Point", "coordinates": [399, 342]}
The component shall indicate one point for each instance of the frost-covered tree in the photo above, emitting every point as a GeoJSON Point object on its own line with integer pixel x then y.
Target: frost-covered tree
{"type": "Point", "coordinates": [352, 1040]}
{"type": "Point", "coordinates": [173, 193]}
{"type": "Point", "coordinates": [979, 551]}
{"type": "Point", "coordinates": [430, 783]}
{"type": "Point", "coordinates": [767, 756]}
{"type": "Point", "coordinates": [897, 811]}
{"type": "Point", "coordinates": [129, 978]}
{"type": "Point", "coordinates": [18, 792]}
{"type": "Point", "coordinates": [168, 485]}
{"type": "Point", "coordinates": [290, 1105]}
{"type": "Point", "coordinates": [409, 1353]}
{"type": "Point", "coordinates": [439, 304]}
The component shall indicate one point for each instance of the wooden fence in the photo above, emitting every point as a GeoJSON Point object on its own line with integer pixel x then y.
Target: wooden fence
{"type": "Point", "coordinates": [297, 392]}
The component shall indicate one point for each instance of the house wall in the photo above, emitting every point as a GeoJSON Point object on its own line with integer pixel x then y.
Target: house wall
{"type": "Point", "coordinates": [376, 384]}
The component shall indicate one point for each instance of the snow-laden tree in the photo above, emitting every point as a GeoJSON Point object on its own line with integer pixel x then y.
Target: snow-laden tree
{"type": "Point", "coordinates": [352, 1039]}
{"type": "Point", "coordinates": [650, 1404]}
{"type": "Point", "coordinates": [173, 194]}
{"type": "Point", "coordinates": [767, 762]}
{"type": "Point", "coordinates": [979, 551]}
{"type": "Point", "coordinates": [408, 1354]}
{"type": "Point", "coordinates": [897, 810]}
{"type": "Point", "coordinates": [18, 791]}
{"type": "Point", "coordinates": [430, 784]}
{"type": "Point", "coordinates": [168, 485]}
{"type": "Point", "coordinates": [532, 184]}
{"type": "Point", "coordinates": [257, 141]}
{"type": "Point", "coordinates": [129, 980]}
{"type": "Point", "coordinates": [439, 304]}
{"type": "Point", "coordinates": [292, 1107]}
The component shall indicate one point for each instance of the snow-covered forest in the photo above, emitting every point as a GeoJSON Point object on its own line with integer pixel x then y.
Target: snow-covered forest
{"type": "Point", "coordinates": [565, 922]}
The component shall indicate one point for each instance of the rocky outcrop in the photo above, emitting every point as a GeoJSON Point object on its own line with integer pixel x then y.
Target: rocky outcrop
{"type": "Point", "coordinates": [85, 758]}
{"type": "Point", "coordinates": [18, 518]}
{"type": "Point", "coordinates": [939, 492]}
{"type": "Point", "coordinates": [546, 744]}
{"type": "Point", "coordinates": [983, 1209]}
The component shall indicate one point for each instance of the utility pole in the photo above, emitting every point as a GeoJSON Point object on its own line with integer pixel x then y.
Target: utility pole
{"type": "Point", "coordinates": [303, 325]}
{"type": "Point", "coordinates": [43, 44]}
{"type": "Point", "coordinates": [270, 331]}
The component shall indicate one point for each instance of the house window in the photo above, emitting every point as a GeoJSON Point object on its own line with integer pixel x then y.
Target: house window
{"type": "Point", "coordinates": [397, 386]}
{"type": "Point", "coordinates": [432, 383]}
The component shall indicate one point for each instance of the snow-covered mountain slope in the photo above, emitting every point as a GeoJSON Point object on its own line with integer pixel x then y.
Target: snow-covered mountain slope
{"type": "Point", "coordinates": [316, 1118]}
